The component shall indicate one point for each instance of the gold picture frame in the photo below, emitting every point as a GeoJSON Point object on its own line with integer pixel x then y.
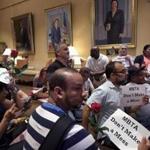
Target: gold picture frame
{"type": "Point", "coordinates": [101, 10]}
{"type": "Point", "coordinates": [60, 15]}
{"type": "Point", "coordinates": [22, 27]}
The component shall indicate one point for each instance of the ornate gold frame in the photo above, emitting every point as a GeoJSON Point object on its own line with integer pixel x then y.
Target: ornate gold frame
{"type": "Point", "coordinates": [27, 43]}
{"type": "Point", "coordinates": [132, 43]}
{"type": "Point", "coordinates": [63, 14]}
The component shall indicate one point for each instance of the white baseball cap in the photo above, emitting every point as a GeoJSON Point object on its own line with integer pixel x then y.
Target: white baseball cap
{"type": "Point", "coordinates": [7, 52]}
{"type": "Point", "coordinates": [4, 76]}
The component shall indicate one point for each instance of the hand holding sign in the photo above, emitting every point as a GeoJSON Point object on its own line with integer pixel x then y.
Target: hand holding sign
{"type": "Point", "coordinates": [144, 145]}
{"type": "Point", "coordinates": [144, 101]}
{"type": "Point", "coordinates": [125, 132]}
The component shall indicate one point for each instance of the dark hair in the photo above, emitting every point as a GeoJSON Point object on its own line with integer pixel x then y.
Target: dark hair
{"type": "Point", "coordinates": [41, 72]}
{"type": "Point", "coordinates": [110, 68]}
{"type": "Point", "coordinates": [84, 70]}
{"type": "Point", "coordinates": [116, 1]}
{"type": "Point", "coordinates": [146, 47]}
{"type": "Point", "coordinates": [95, 52]}
{"type": "Point", "coordinates": [58, 78]}
{"type": "Point", "coordinates": [56, 19]}
{"type": "Point", "coordinates": [134, 71]}
{"type": "Point", "coordinates": [2, 86]}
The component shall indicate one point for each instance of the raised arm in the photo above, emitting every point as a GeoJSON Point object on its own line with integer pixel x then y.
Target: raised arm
{"type": "Point", "coordinates": [9, 115]}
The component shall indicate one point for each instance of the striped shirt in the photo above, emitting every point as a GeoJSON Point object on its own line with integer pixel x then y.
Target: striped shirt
{"type": "Point", "coordinates": [42, 121]}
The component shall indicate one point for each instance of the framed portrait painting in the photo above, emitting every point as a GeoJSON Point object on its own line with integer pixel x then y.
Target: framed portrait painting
{"type": "Point", "coordinates": [22, 27]}
{"type": "Point", "coordinates": [58, 26]}
{"type": "Point", "coordinates": [114, 23]}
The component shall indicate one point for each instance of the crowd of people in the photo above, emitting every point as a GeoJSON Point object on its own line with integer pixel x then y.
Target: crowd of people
{"type": "Point", "coordinates": [70, 92]}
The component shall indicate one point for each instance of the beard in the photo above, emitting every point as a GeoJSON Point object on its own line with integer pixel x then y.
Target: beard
{"type": "Point", "coordinates": [72, 104]}
{"type": "Point", "coordinates": [122, 82]}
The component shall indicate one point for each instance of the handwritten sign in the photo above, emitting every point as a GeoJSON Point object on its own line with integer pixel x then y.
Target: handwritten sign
{"type": "Point", "coordinates": [124, 131]}
{"type": "Point", "coordinates": [132, 95]}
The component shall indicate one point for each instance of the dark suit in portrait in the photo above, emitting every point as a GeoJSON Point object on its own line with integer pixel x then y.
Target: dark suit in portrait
{"type": "Point", "coordinates": [55, 35]}
{"type": "Point", "coordinates": [114, 25]}
{"type": "Point", "coordinates": [24, 39]}
{"type": "Point", "coordinates": [22, 36]}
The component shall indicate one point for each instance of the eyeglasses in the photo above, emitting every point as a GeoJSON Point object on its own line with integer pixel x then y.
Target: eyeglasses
{"type": "Point", "coordinates": [66, 48]}
{"type": "Point", "coordinates": [147, 50]}
{"type": "Point", "coordinates": [124, 71]}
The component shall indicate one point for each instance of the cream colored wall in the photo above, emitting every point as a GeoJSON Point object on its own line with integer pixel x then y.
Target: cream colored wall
{"type": "Point", "coordinates": [81, 25]}
{"type": "Point", "coordinates": [143, 25]}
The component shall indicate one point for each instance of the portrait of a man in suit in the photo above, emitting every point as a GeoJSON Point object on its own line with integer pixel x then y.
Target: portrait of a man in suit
{"type": "Point", "coordinates": [55, 32]}
{"type": "Point", "coordinates": [23, 33]}
{"type": "Point", "coordinates": [59, 26]}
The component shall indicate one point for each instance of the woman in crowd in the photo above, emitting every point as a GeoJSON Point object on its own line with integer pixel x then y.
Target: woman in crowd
{"type": "Point", "coordinates": [40, 81]}
{"type": "Point", "coordinates": [7, 108]}
{"type": "Point", "coordinates": [144, 59]}
{"type": "Point", "coordinates": [114, 23]}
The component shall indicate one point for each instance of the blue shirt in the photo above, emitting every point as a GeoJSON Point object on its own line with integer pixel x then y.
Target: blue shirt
{"type": "Point", "coordinates": [42, 121]}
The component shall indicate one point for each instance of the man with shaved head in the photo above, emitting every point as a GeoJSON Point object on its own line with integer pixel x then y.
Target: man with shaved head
{"type": "Point", "coordinates": [65, 90]}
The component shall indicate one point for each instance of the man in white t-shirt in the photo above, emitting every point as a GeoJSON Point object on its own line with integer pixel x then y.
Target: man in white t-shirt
{"type": "Point", "coordinates": [123, 56]}
{"type": "Point", "coordinates": [97, 62]}
{"type": "Point", "coordinates": [136, 77]}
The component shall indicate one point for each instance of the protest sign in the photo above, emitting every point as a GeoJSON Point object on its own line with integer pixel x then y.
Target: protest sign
{"type": "Point", "coordinates": [124, 131]}
{"type": "Point", "coordinates": [132, 95]}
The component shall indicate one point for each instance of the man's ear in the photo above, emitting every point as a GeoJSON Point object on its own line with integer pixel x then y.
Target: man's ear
{"type": "Point", "coordinates": [58, 53]}
{"type": "Point", "coordinates": [59, 92]}
{"type": "Point", "coordinates": [112, 75]}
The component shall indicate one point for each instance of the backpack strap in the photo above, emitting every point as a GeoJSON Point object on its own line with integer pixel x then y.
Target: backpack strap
{"type": "Point", "coordinates": [56, 135]}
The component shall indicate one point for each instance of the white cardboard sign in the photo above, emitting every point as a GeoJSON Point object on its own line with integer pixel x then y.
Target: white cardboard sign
{"type": "Point", "coordinates": [132, 95]}
{"type": "Point", "coordinates": [124, 131]}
